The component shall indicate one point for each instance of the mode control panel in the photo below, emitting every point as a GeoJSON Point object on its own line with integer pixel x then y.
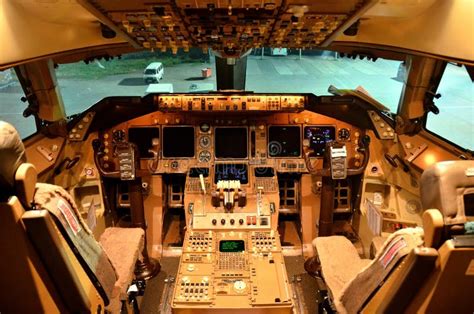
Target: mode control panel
{"type": "Point", "coordinates": [231, 103]}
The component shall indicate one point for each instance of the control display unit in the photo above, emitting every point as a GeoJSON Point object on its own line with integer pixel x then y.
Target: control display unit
{"type": "Point", "coordinates": [231, 142]}
{"type": "Point", "coordinates": [144, 138]}
{"type": "Point", "coordinates": [231, 172]}
{"type": "Point", "coordinates": [178, 141]}
{"type": "Point", "coordinates": [231, 246]}
{"type": "Point", "coordinates": [318, 136]}
{"type": "Point", "coordinates": [284, 141]}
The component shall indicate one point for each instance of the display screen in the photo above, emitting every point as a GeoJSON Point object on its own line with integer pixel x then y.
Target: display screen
{"type": "Point", "coordinates": [231, 246]}
{"type": "Point", "coordinates": [469, 204]}
{"type": "Point", "coordinates": [143, 138]}
{"type": "Point", "coordinates": [231, 172]}
{"type": "Point", "coordinates": [178, 141]}
{"type": "Point", "coordinates": [264, 172]}
{"type": "Point", "coordinates": [318, 136]}
{"type": "Point", "coordinates": [284, 141]}
{"type": "Point", "coordinates": [231, 142]}
{"type": "Point", "coordinates": [195, 172]}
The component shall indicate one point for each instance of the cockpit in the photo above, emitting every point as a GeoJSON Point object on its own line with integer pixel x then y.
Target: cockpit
{"type": "Point", "coordinates": [248, 156]}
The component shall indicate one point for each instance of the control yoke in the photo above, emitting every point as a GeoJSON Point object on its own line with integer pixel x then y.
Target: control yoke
{"type": "Point", "coordinates": [336, 152]}
{"type": "Point", "coordinates": [228, 192]}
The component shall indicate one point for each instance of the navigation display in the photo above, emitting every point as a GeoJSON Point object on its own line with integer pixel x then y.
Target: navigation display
{"type": "Point", "coordinates": [231, 142]}
{"type": "Point", "coordinates": [284, 141]}
{"type": "Point", "coordinates": [318, 137]}
{"type": "Point", "coordinates": [145, 138]}
{"type": "Point", "coordinates": [178, 141]}
{"type": "Point", "coordinates": [231, 246]}
{"type": "Point", "coordinates": [231, 172]}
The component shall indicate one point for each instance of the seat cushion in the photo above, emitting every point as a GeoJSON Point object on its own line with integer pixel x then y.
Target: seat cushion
{"type": "Point", "coordinates": [340, 262]}
{"type": "Point", "coordinates": [123, 247]}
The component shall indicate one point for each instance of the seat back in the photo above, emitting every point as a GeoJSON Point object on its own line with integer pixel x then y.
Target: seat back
{"type": "Point", "coordinates": [361, 289]}
{"type": "Point", "coordinates": [449, 187]}
{"type": "Point", "coordinates": [41, 268]}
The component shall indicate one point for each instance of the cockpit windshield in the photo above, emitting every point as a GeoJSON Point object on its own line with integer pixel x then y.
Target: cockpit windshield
{"type": "Point", "coordinates": [267, 70]}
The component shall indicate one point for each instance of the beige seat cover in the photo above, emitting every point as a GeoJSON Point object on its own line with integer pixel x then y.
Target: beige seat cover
{"type": "Point", "coordinates": [340, 262]}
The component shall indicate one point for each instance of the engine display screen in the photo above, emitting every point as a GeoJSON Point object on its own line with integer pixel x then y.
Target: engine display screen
{"type": "Point", "coordinates": [231, 172]}
{"type": "Point", "coordinates": [178, 141]}
{"type": "Point", "coordinates": [231, 246]}
{"type": "Point", "coordinates": [284, 141]}
{"type": "Point", "coordinates": [145, 138]}
{"type": "Point", "coordinates": [231, 142]}
{"type": "Point", "coordinates": [318, 136]}
{"type": "Point", "coordinates": [264, 172]}
{"type": "Point", "coordinates": [195, 172]}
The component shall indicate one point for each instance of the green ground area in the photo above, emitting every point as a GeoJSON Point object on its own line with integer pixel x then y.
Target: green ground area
{"type": "Point", "coordinates": [134, 62]}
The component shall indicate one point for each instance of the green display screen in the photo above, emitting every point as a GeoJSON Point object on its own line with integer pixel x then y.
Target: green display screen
{"type": "Point", "coordinates": [232, 246]}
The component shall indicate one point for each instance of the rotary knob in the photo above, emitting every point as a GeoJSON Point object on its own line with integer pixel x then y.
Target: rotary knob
{"type": "Point", "coordinates": [214, 222]}
{"type": "Point", "coordinates": [232, 221]}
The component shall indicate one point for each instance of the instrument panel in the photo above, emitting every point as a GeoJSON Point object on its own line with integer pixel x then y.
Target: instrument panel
{"type": "Point", "coordinates": [178, 141]}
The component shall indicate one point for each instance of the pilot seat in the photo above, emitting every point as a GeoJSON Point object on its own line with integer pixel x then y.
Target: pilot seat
{"type": "Point", "coordinates": [52, 246]}
{"type": "Point", "coordinates": [427, 269]}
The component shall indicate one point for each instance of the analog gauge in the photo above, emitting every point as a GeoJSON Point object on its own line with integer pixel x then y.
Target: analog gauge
{"type": "Point", "coordinates": [118, 136]}
{"type": "Point", "coordinates": [204, 141]}
{"type": "Point", "coordinates": [204, 127]}
{"type": "Point", "coordinates": [239, 286]}
{"type": "Point", "coordinates": [204, 156]}
{"type": "Point", "coordinates": [344, 134]}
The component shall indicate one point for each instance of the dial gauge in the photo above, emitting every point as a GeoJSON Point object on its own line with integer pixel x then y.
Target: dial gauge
{"type": "Point", "coordinates": [204, 156]}
{"type": "Point", "coordinates": [204, 141]}
{"type": "Point", "coordinates": [344, 134]}
{"type": "Point", "coordinates": [204, 127]}
{"type": "Point", "coordinates": [118, 136]}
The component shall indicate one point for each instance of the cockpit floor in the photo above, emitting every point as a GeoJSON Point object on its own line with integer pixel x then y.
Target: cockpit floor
{"type": "Point", "coordinates": [302, 285]}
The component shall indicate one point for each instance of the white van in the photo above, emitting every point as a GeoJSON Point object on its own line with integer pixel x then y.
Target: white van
{"type": "Point", "coordinates": [153, 72]}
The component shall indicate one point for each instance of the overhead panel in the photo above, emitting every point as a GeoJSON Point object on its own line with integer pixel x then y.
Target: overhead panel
{"type": "Point", "coordinates": [232, 27]}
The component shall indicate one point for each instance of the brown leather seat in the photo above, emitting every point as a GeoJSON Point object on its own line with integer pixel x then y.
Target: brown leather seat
{"type": "Point", "coordinates": [109, 264]}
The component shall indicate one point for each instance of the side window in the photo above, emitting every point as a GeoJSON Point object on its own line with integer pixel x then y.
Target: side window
{"type": "Point", "coordinates": [11, 106]}
{"type": "Point", "coordinates": [455, 121]}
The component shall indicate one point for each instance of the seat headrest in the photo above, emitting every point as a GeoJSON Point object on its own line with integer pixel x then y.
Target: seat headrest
{"type": "Point", "coordinates": [12, 155]}
{"type": "Point", "coordinates": [445, 186]}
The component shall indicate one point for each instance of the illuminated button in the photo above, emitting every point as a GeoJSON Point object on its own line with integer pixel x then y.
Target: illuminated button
{"type": "Point", "coordinates": [191, 267]}
{"type": "Point", "coordinates": [85, 119]}
{"type": "Point", "coordinates": [80, 126]}
{"type": "Point", "coordinates": [249, 220]}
